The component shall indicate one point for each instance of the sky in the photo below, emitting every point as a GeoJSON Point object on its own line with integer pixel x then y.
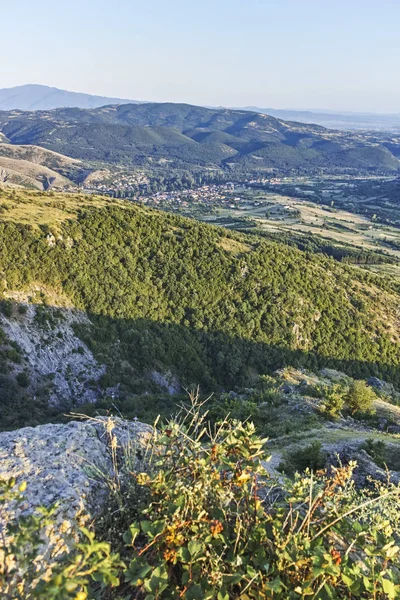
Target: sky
{"type": "Point", "coordinates": [306, 54]}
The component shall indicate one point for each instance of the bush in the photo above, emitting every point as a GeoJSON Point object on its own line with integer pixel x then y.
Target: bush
{"type": "Point", "coordinates": [309, 457]}
{"type": "Point", "coordinates": [334, 398]}
{"type": "Point", "coordinates": [210, 525]}
{"type": "Point", "coordinates": [205, 521]}
{"type": "Point", "coordinates": [377, 451]}
{"type": "Point", "coordinates": [22, 379]}
{"type": "Point", "coordinates": [6, 307]}
{"type": "Point", "coordinates": [360, 397]}
{"type": "Point", "coordinates": [24, 574]}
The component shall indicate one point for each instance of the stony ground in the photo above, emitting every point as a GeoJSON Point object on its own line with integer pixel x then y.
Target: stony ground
{"type": "Point", "coordinates": [69, 464]}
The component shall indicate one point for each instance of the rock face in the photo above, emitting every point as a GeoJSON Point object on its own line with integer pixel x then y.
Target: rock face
{"type": "Point", "coordinates": [54, 355]}
{"type": "Point", "coordinates": [64, 463]}
{"type": "Point", "coordinates": [167, 380]}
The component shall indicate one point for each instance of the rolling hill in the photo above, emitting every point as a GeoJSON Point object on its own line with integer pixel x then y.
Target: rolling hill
{"type": "Point", "coordinates": [190, 136]}
{"type": "Point", "coordinates": [336, 120]}
{"type": "Point", "coordinates": [38, 168]}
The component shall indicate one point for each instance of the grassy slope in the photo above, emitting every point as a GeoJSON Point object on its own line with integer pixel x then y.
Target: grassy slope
{"type": "Point", "coordinates": [36, 167]}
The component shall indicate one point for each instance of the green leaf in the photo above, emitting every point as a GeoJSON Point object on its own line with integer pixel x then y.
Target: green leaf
{"type": "Point", "coordinates": [195, 593]}
{"type": "Point", "coordinates": [389, 588]}
{"type": "Point", "coordinates": [152, 528]}
{"type": "Point", "coordinates": [194, 548]}
{"type": "Point", "coordinates": [145, 526]}
{"type": "Point", "coordinates": [347, 580]}
{"type": "Point", "coordinates": [276, 585]}
{"type": "Point", "coordinates": [233, 579]}
{"type": "Point", "coordinates": [184, 554]}
{"type": "Point", "coordinates": [130, 535]}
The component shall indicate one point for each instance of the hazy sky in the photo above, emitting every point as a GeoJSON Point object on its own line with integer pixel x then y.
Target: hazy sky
{"type": "Point", "coordinates": [328, 54]}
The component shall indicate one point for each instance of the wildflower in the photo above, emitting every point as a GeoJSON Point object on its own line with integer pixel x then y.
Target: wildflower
{"type": "Point", "coordinates": [170, 555]}
{"type": "Point", "coordinates": [143, 478]}
{"type": "Point", "coordinates": [216, 527]}
{"type": "Point", "coordinates": [337, 559]}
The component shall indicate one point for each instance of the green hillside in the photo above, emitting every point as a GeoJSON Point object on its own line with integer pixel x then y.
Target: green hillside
{"type": "Point", "coordinates": [211, 306]}
{"type": "Point", "coordinates": [192, 136]}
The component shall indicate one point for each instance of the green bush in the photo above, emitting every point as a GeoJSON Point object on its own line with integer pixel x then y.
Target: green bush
{"type": "Point", "coordinates": [377, 451]}
{"type": "Point", "coordinates": [300, 459]}
{"type": "Point", "coordinates": [360, 397]}
{"type": "Point", "coordinates": [6, 307]}
{"type": "Point", "coordinates": [22, 379]}
{"type": "Point", "coordinates": [204, 521]}
{"type": "Point", "coordinates": [334, 398]}
{"type": "Point", "coordinates": [23, 572]}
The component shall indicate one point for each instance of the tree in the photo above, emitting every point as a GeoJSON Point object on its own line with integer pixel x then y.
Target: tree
{"type": "Point", "coordinates": [360, 397]}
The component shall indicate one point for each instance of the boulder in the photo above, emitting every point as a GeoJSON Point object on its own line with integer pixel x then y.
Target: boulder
{"type": "Point", "coordinates": [366, 470]}
{"type": "Point", "coordinates": [68, 464]}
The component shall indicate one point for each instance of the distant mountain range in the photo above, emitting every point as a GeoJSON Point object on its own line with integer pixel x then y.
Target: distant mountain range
{"type": "Point", "coordinates": [42, 97]}
{"type": "Point", "coordinates": [335, 120]}
{"type": "Point", "coordinates": [186, 136]}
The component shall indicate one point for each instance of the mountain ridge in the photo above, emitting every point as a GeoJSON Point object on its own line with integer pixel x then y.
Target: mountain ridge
{"type": "Point", "coordinates": [43, 97]}
{"type": "Point", "coordinates": [191, 136]}
{"type": "Point", "coordinates": [357, 121]}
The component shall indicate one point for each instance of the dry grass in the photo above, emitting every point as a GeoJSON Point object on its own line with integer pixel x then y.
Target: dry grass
{"type": "Point", "coordinates": [39, 208]}
{"type": "Point", "coordinates": [24, 173]}
{"type": "Point", "coordinates": [337, 225]}
{"type": "Point", "coordinates": [234, 246]}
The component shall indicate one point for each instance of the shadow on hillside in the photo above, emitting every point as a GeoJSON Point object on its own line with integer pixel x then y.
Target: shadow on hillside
{"type": "Point", "coordinates": [213, 359]}
{"type": "Point", "coordinates": [139, 353]}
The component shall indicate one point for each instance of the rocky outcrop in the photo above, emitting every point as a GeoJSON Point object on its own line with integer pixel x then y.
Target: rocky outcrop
{"type": "Point", "coordinates": [54, 356]}
{"type": "Point", "coordinates": [367, 470]}
{"type": "Point", "coordinates": [68, 464]}
{"type": "Point", "coordinates": [167, 381]}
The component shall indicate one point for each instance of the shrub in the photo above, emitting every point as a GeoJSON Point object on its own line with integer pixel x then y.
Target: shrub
{"type": "Point", "coordinates": [24, 574]}
{"type": "Point", "coordinates": [6, 307]}
{"type": "Point", "coordinates": [22, 379]}
{"type": "Point", "coordinates": [205, 521]}
{"type": "Point", "coordinates": [210, 525]}
{"type": "Point", "coordinates": [377, 451]}
{"type": "Point", "coordinates": [14, 355]}
{"type": "Point", "coordinates": [360, 397]}
{"type": "Point", "coordinates": [334, 397]}
{"type": "Point", "coordinates": [300, 459]}
{"type": "Point", "coordinates": [311, 390]}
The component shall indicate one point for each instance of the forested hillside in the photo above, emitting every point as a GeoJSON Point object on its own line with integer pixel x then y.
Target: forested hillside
{"type": "Point", "coordinates": [207, 305]}
{"type": "Point", "coordinates": [192, 136]}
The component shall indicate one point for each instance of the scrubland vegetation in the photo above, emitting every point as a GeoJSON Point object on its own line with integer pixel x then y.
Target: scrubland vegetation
{"type": "Point", "coordinates": [199, 516]}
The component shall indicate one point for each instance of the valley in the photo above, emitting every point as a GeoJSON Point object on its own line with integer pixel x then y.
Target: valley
{"type": "Point", "coordinates": [163, 295]}
{"type": "Point", "coordinates": [170, 269]}
{"type": "Point", "coordinates": [300, 213]}
{"type": "Point", "coordinates": [259, 228]}
{"type": "Point", "coordinates": [200, 300]}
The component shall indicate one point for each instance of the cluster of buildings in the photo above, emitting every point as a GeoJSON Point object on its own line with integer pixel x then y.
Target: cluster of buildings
{"type": "Point", "coordinates": [206, 196]}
